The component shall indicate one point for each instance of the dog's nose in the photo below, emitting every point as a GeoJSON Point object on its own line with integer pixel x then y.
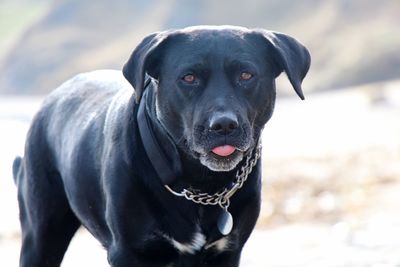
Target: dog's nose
{"type": "Point", "coordinates": [223, 123]}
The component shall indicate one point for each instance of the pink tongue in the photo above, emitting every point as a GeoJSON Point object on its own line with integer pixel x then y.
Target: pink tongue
{"type": "Point", "coordinates": [224, 151]}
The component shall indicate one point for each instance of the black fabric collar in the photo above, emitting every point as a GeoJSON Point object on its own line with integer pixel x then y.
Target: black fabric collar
{"type": "Point", "coordinates": [163, 153]}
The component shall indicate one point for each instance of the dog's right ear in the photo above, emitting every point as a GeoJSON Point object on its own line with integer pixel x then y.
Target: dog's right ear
{"type": "Point", "coordinates": [289, 56]}
{"type": "Point", "coordinates": [143, 60]}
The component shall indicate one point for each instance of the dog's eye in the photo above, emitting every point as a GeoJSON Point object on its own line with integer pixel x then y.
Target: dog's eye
{"type": "Point", "coordinates": [189, 78]}
{"type": "Point", "coordinates": [245, 76]}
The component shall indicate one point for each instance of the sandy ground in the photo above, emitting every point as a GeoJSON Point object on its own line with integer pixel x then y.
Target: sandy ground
{"type": "Point", "coordinates": [331, 183]}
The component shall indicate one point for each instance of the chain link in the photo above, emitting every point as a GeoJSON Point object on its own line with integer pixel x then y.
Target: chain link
{"type": "Point", "coordinates": [222, 197]}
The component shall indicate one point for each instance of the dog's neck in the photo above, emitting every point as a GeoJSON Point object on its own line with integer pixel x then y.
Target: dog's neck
{"type": "Point", "coordinates": [173, 165]}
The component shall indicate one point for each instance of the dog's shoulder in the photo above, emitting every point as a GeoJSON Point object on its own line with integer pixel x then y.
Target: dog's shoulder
{"type": "Point", "coordinates": [86, 105]}
{"type": "Point", "coordinates": [93, 83]}
{"type": "Point", "coordinates": [109, 79]}
{"type": "Point", "coordinates": [86, 93]}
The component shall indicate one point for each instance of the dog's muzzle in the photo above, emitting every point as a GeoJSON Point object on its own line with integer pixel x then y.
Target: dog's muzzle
{"type": "Point", "coordinates": [221, 143]}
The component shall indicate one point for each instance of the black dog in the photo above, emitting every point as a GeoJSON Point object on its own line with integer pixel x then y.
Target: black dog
{"type": "Point", "coordinates": [166, 175]}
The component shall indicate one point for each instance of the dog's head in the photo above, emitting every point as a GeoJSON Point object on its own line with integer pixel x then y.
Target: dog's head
{"type": "Point", "coordinates": [216, 86]}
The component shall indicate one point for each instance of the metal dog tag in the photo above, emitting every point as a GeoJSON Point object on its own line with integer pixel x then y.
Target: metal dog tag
{"type": "Point", "coordinates": [225, 222]}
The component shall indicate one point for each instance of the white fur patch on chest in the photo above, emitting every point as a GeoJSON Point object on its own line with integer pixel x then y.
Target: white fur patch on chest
{"type": "Point", "coordinates": [197, 243]}
{"type": "Point", "coordinates": [220, 245]}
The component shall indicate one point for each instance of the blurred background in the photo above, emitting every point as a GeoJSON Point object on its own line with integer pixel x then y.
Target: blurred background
{"type": "Point", "coordinates": [331, 163]}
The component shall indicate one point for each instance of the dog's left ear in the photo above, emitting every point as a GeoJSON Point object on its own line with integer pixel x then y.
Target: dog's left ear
{"type": "Point", "coordinates": [289, 56]}
{"type": "Point", "coordinates": [144, 60]}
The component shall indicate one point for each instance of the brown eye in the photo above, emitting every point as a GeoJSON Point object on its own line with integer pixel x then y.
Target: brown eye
{"type": "Point", "coordinates": [245, 76]}
{"type": "Point", "coordinates": [189, 78]}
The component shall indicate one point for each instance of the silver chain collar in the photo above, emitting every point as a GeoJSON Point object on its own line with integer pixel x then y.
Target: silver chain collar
{"type": "Point", "coordinates": [222, 197]}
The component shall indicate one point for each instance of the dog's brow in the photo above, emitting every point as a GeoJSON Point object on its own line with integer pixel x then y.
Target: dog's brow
{"type": "Point", "coordinates": [196, 66]}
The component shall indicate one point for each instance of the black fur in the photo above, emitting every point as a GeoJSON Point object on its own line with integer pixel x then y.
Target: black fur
{"type": "Point", "coordinates": [85, 163]}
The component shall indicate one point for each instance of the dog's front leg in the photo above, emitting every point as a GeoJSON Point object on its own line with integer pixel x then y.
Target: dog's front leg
{"type": "Point", "coordinates": [129, 220]}
{"type": "Point", "coordinates": [224, 259]}
{"type": "Point", "coordinates": [227, 259]}
{"type": "Point", "coordinates": [121, 255]}
{"type": "Point", "coordinates": [122, 250]}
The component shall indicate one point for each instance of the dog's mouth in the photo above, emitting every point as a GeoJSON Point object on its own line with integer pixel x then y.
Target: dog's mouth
{"type": "Point", "coordinates": [221, 158]}
{"type": "Point", "coordinates": [224, 150]}
{"type": "Point", "coordinates": [220, 153]}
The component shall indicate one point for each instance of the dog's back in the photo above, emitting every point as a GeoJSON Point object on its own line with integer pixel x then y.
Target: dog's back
{"type": "Point", "coordinates": [58, 131]}
{"type": "Point", "coordinates": [63, 117]}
